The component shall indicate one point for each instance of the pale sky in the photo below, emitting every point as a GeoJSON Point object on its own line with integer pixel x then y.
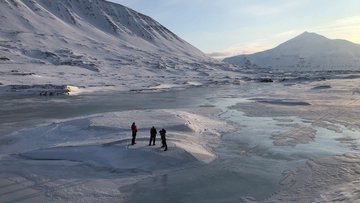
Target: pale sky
{"type": "Point", "coordinates": [230, 27]}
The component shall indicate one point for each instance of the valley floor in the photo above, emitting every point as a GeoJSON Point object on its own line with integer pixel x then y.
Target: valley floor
{"type": "Point", "coordinates": [293, 143]}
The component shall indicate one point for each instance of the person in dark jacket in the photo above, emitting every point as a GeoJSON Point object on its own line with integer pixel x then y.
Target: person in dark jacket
{"type": "Point", "coordinates": [133, 131]}
{"type": "Point", "coordinates": [153, 133]}
{"type": "Point", "coordinates": [163, 138]}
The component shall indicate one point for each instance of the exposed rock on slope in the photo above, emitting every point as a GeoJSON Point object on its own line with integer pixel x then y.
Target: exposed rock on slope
{"type": "Point", "coordinates": [93, 43]}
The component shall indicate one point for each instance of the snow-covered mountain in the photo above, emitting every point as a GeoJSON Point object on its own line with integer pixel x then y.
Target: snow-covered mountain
{"type": "Point", "coordinates": [308, 51]}
{"type": "Point", "coordinates": [91, 43]}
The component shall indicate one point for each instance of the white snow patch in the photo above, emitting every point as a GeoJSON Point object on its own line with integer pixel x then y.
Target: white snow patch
{"type": "Point", "coordinates": [164, 86]}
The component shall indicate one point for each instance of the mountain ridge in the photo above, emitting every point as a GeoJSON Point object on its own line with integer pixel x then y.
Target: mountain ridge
{"type": "Point", "coordinates": [307, 51]}
{"type": "Point", "coordinates": [106, 17]}
{"type": "Point", "coordinates": [94, 43]}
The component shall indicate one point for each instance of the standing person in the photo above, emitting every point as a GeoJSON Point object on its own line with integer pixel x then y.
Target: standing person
{"type": "Point", "coordinates": [153, 133]}
{"type": "Point", "coordinates": [133, 131]}
{"type": "Point", "coordinates": [163, 138]}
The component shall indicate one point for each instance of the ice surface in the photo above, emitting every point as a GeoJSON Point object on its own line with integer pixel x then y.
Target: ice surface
{"type": "Point", "coordinates": [331, 179]}
{"type": "Point", "coordinates": [279, 149]}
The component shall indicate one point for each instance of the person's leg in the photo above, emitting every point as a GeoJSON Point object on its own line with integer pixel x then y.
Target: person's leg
{"type": "Point", "coordinates": [165, 145]}
{"type": "Point", "coordinates": [154, 138]}
{"type": "Point", "coordinates": [133, 138]}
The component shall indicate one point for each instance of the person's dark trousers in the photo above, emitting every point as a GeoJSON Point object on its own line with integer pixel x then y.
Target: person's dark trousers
{"type": "Point", "coordinates": [164, 144]}
{"type": "Point", "coordinates": [133, 138]}
{"type": "Point", "coordinates": [152, 139]}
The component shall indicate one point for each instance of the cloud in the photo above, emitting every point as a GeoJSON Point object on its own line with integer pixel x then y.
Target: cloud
{"type": "Point", "coordinates": [289, 33]}
{"type": "Point", "coordinates": [242, 48]}
{"type": "Point", "coordinates": [345, 28]}
{"type": "Point", "coordinates": [256, 45]}
{"type": "Point", "coordinates": [353, 20]}
{"type": "Point", "coordinates": [266, 8]}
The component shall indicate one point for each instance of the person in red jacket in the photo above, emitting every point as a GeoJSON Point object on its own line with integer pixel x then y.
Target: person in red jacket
{"type": "Point", "coordinates": [133, 131]}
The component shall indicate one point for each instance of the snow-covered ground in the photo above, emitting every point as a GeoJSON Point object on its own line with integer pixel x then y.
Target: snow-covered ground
{"type": "Point", "coordinates": [94, 151]}
{"type": "Point", "coordinates": [230, 138]}
{"type": "Point", "coordinates": [297, 143]}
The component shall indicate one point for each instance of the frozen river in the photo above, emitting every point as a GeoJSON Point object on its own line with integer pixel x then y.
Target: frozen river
{"type": "Point", "coordinates": [249, 164]}
{"type": "Point", "coordinates": [277, 130]}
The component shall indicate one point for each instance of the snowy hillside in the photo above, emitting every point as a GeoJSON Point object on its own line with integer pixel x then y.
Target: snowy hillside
{"type": "Point", "coordinates": [91, 43]}
{"type": "Point", "coordinates": [308, 51]}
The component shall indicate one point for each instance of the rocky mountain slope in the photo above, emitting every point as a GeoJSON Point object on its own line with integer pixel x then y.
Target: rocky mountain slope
{"type": "Point", "coordinates": [93, 43]}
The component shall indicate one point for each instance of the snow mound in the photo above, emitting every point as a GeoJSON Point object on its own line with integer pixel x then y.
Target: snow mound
{"type": "Point", "coordinates": [103, 139]}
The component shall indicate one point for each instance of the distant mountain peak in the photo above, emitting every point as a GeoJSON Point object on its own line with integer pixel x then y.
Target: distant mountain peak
{"type": "Point", "coordinates": [309, 36]}
{"type": "Point", "coordinates": [307, 33]}
{"type": "Point", "coordinates": [307, 51]}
